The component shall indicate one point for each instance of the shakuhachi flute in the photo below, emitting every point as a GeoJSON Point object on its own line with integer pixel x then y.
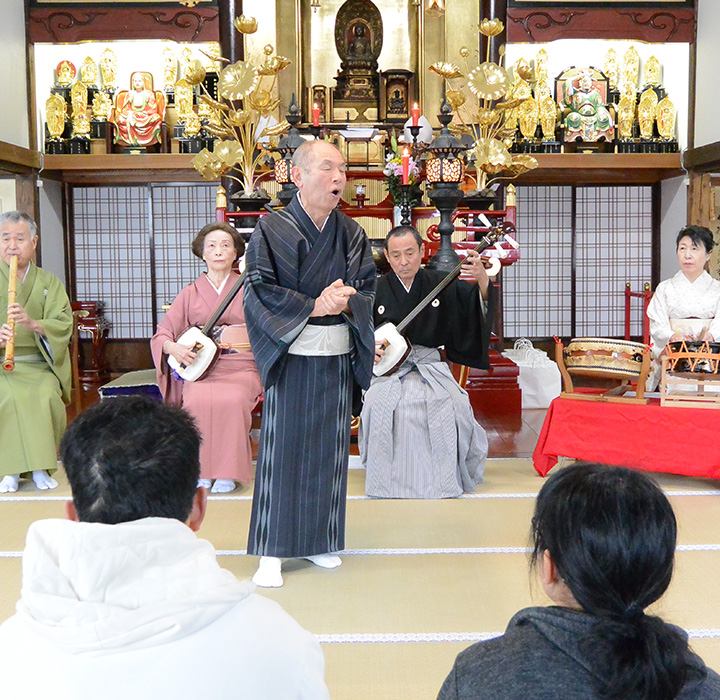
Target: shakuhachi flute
{"type": "Point", "coordinates": [9, 361]}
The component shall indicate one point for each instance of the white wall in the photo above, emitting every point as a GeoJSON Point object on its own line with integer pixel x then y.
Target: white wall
{"type": "Point", "coordinates": [673, 217]}
{"type": "Point", "coordinates": [707, 125]}
{"type": "Point", "coordinates": [14, 126]}
{"type": "Point", "coordinates": [51, 228]}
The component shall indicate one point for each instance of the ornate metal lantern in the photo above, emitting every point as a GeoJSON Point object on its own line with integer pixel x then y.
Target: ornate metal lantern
{"type": "Point", "coordinates": [287, 145]}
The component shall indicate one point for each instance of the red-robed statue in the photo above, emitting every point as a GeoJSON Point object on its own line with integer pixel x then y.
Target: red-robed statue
{"type": "Point", "coordinates": [138, 113]}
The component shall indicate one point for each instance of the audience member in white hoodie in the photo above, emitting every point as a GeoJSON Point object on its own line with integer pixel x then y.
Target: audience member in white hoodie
{"type": "Point", "coordinates": [124, 601]}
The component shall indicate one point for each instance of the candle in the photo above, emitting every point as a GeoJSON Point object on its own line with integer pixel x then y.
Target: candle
{"type": "Point", "coordinates": [405, 167]}
{"type": "Point", "coordinates": [316, 114]}
{"type": "Point", "coordinates": [415, 111]}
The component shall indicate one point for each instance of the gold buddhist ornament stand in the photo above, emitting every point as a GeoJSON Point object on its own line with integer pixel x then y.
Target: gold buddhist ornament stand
{"type": "Point", "coordinates": [604, 358]}
{"type": "Point", "coordinates": [692, 389]}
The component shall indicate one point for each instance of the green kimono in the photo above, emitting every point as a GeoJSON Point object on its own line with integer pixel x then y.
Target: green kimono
{"type": "Point", "coordinates": [34, 394]}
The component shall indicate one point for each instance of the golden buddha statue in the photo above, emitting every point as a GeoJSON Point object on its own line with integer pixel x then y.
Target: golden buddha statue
{"type": "Point", "coordinates": [101, 107]}
{"type": "Point", "coordinates": [215, 52]}
{"type": "Point", "coordinates": [651, 71]}
{"type": "Point", "coordinates": [80, 127]}
{"type": "Point", "coordinates": [108, 69]}
{"type": "Point", "coordinates": [192, 124]}
{"type": "Point", "coordinates": [65, 73]}
{"type": "Point", "coordinates": [610, 68]}
{"type": "Point", "coordinates": [548, 113]}
{"type": "Point", "coordinates": [666, 118]}
{"type": "Point", "coordinates": [631, 67]}
{"type": "Point", "coordinates": [89, 72]}
{"type": "Point", "coordinates": [528, 113]}
{"type": "Point", "coordinates": [626, 117]}
{"type": "Point", "coordinates": [183, 99]}
{"type": "Point", "coordinates": [170, 66]}
{"type": "Point", "coordinates": [647, 112]}
{"type": "Point", "coordinates": [55, 110]}
{"type": "Point", "coordinates": [541, 70]}
{"type": "Point", "coordinates": [186, 62]}
{"type": "Point", "coordinates": [79, 99]}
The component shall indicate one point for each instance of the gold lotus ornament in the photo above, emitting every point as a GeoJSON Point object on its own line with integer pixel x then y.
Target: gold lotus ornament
{"type": "Point", "coordinates": [274, 65]}
{"type": "Point", "coordinates": [489, 108]}
{"type": "Point", "coordinates": [195, 73]}
{"type": "Point", "coordinates": [243, 100]}
{"type": "Point", "coordinates": [446, 70]}
{"type": "Point", "coordinates": [208, 165]}
{"type": "Point", "coordinates": [488, 81]}
{"type": "Point", "coordinates": [246, 25]}
{"type": "Point", "coordinates": [238, 80]}
{"type": "Point", "coordinates": [456, 98]}
{"type": "Point", "coordinates": [491, 27]}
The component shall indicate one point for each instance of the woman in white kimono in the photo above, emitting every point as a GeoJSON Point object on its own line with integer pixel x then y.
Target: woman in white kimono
{"type": "Point", "coordinates": [690, 294]}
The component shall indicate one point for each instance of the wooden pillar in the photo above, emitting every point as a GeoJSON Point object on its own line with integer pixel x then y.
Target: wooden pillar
{"type": "Point", "coordinates": [232, 48]}
{"type": "Point", "coordinates": [701, 204]}
{"type": "Point", "coordinates": [493, 9]}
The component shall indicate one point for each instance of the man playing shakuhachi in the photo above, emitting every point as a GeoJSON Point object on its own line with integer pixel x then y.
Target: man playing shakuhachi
{"type": "Point", "coordinates": [418, 435]}
{"type": "Point", "coordinates": [308, 308]}
{"type": "Point", "coordinates": [32, 412]}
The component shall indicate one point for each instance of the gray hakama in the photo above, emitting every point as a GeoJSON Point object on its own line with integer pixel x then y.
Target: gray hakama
{"type": "Point", "coordinates": [418, 434]}
{"type": "Point", "coordinates": [301, 474]}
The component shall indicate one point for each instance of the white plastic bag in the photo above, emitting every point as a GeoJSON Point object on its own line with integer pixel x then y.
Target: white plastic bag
{"type": "Point", "coordinates": [539, 379]}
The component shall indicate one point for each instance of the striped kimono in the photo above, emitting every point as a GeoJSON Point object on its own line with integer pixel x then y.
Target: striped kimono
{"type": "Point", "coordinates": [301, 475]}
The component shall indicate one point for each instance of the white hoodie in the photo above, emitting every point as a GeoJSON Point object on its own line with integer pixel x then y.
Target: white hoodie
{"type": "Point", "coordinates": [143, 610]}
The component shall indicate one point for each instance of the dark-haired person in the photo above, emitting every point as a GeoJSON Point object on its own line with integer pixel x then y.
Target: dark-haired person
{"type": "Point", "coordinates": [122, 600]}
{"type": "Point", "coordinates": [418, 433]}
{"type": "Point", "coordinates": [604, 545]}
{"type": "Point", "coordinates": [33, 395]}
{"type": "Point", "coordinates": [690, 294]}
{"type": "Point", "coordinates": [223, 401]}
{"type": "Point", "coordinates": [308, 303]}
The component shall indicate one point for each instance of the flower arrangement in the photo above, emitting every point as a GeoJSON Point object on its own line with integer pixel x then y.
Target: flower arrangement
{"type": "Point", "coordinates": [235, 115]}
{"type": "Point", "coordinates": [393, 174]}
{"type": "Point", "coordinates": [485, 117]}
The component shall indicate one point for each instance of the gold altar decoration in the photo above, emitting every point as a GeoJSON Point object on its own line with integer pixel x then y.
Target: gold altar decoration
{"type": "Point", "coordinates": [541, 71]}
{"type": "Point", "coordinates": [89, 72]}
{"type": "Point", "coordinates": [193, 125]}
{"type": "Point", "coordinates": [485, 118]}
{"type": "Point", "coordinates": [55, 109]}
{"type": "Point", "coordinates": [108, 69]}
{"type": "Point", "coordinates": [245, 94]}
{"type": "Point", "coordinates": [186, 62]}
{"type": "Point", "coordinates": [625, 117]}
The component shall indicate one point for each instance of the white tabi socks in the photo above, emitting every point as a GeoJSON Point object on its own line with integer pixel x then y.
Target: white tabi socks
{"type": "Point", "coordinates": [269, 573]}
{"type": "Point", "coordinates": [43, 480]}
{"type": "Point", "coordinates": [326, 561]}
{"type": "Point", "coordinates": [223, 486]}
{"type": "Point", "coordinates": [9, 483]}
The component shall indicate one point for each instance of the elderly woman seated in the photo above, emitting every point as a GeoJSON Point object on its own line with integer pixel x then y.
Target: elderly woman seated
{"type": "Point", "coordinates": [604, 545]}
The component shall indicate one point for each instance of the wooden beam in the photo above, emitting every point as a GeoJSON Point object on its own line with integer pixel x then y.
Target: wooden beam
{"type": "Point", "coordinates": [16, 159]}
{"type": "Point", "coordinates": [703, 159]}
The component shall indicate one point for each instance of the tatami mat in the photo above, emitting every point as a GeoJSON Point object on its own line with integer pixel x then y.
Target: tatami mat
{"type": "Point", "coordinates": [420, 580]}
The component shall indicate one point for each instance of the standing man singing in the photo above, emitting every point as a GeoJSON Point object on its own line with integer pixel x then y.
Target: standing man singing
{"type": "Point", "coordinates": [308, 308]}
{"type": "Point", "coordinates": [33, 395]}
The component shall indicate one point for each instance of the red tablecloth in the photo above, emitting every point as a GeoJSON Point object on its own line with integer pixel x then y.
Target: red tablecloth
{"type": "Point", "coordinates": [649, 437]}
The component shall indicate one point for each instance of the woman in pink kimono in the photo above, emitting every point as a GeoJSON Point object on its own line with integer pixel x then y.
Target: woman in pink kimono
{"type": "Point", "coordinates": [222, 401]}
